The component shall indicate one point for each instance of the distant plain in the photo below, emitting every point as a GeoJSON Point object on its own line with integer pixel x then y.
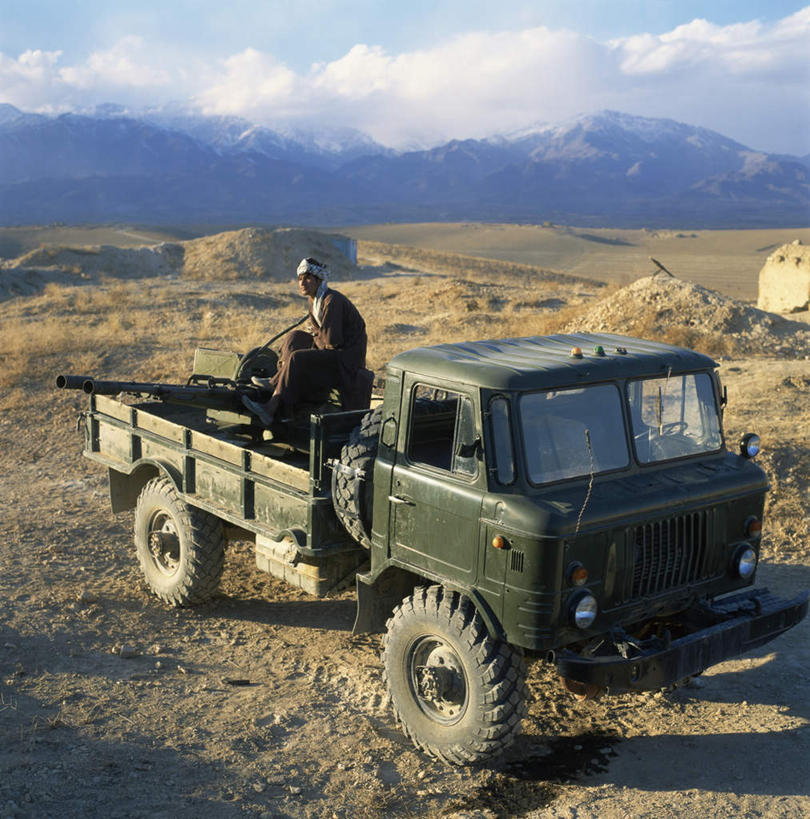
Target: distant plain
{"type": "Point", "coordinates": [725, 260]}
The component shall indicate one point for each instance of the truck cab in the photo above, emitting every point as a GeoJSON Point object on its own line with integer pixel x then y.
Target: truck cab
{"type": "Point", "coordinates": [579, 491]}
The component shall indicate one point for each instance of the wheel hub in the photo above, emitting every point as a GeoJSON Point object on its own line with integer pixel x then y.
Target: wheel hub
{"type": "Point", "coordinates": [438, 680]}
{"type": "Point", "coordinates": [164, 544]}
{"type": "Point", "coordinates": [435, 682]}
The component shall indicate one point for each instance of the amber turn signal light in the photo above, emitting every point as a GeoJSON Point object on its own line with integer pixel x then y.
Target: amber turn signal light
{"type": "Point", "coordinates": [577, 574]}
{"type": "Point", "coordinates": [753, 527]}
{"type": "Point", "coordinates": [500, 542]}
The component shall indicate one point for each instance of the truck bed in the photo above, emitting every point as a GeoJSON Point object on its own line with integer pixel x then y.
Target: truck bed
{"type": "Point", "coordinates": [264, 488]}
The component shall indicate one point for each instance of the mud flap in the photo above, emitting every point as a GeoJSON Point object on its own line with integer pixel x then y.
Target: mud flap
{"type": "Point", "coordinates": [376, 600]}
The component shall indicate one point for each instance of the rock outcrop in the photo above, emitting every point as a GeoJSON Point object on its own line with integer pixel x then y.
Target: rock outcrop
{"type": "Point", "coordinates": [784, 281]}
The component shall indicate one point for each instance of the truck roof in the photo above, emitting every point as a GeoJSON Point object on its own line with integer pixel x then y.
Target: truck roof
{"type": "Point", "coordinates": [541, 362]}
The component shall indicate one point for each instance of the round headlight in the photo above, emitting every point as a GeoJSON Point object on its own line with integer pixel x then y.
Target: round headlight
{"type": "Point", "coordinates": [749, 445]}
{"type": "Point", "coordinates": [583, 610]}
{"type": "Point", "coordinates": [745, 561]}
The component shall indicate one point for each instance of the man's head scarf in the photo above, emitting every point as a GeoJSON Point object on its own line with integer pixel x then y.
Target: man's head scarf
{"type": "Point", "coordinates": [314, 268]}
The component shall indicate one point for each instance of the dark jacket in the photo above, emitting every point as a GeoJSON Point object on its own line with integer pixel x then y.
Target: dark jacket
{"type": "Point", "coordinates": [342, 329]}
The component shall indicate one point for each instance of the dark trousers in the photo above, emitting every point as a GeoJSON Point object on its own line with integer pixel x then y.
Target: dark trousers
{"type": "Point", "coordinates": [305, 373]}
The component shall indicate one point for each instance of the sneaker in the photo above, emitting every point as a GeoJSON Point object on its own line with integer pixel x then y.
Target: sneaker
{"type": "Point", "coordinates": [258, 410]}
{"type": "Point", "coordinates": [264, 383]}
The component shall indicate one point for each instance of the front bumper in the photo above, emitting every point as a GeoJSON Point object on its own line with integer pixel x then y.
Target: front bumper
{"type": "Point", "coordinates": [719, 631]}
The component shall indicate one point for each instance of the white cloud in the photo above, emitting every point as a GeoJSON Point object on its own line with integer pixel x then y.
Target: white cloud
{"type": "Point", "coordinates": [126, 65]}
{"type": "Point", "coordinates": [30, 79]}
{"type": "Point", "coordinates": [734, 79]}
{"type": "Point", "coordinates": [129, 72]}
{"type": "Point", "coordinates": [473, 85]}
{"type": "Point", "coordinates": [743, 49]}
{"type": "Point", "coordinates": [750, 80]}
{"type": "Point", "coordinates": [251, 82]}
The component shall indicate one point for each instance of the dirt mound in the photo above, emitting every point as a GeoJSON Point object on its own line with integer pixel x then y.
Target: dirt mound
{"type": "Point", "coordinates": [262, 254]}
{"type": "Point", "coordinates": [17, 282]}
{"type": "Point", "coordinates": [162, 259]}
{"type": "Point", "coordinates": [31, 272]}
{"type": "Point", "coordinates": [666, 308]}
{"type": "Point", "coordinates": [252, 253]}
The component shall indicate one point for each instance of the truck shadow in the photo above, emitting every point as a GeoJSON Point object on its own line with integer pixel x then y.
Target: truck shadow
{"type": "Point", "coordinates": [53, 765]}
{"type": "Point", "coordinates": [727, 763]}
{"type": "Point", "coordinates": [536, 769]}
{"type": "Point", "coordinates": [327, 614]}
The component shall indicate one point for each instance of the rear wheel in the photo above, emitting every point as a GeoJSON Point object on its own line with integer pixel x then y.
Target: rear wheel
{"type": "Point", "coordinates": [180, 548]}
{"type": "Point", "coordinates": [458, 693]}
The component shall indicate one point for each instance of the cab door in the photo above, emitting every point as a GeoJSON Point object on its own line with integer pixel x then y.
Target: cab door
{"type": "Point", "coordinates": [436, 487]}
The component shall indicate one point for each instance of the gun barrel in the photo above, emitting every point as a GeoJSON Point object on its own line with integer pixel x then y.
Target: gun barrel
{"type": "Point", "coordinates": [93, 387]}
{"type": "Point", "coordinates": [72, 382]}
{"type": "Point", "coordinates": [195, 395]}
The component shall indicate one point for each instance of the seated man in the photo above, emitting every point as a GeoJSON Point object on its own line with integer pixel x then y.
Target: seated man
{"type": "Point", "coordinates": [328, 356]}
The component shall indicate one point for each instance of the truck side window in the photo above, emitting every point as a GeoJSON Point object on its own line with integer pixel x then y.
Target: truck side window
{"type": "Point", "coordinates": [502, 440]}
{"type": "Point", "coordinates": [439, 420]}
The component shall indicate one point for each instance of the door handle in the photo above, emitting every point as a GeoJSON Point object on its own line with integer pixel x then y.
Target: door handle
{"type": "Point", "coordinates": [401, 501]}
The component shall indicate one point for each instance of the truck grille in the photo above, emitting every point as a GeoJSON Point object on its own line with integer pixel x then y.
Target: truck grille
{"type": "Point", "coordinates": [670, 553]}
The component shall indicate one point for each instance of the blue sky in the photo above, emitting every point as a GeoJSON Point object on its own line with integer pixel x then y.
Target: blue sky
{"type": "Point", "coordinates": [418, 72]}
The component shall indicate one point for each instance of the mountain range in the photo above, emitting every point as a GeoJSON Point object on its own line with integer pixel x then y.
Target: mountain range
{"type": "Point", "coordinates": [172, 167]}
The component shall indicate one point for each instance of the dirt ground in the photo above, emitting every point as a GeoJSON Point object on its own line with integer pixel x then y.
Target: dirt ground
{"type": "Point", "coordinates": [261, 702]}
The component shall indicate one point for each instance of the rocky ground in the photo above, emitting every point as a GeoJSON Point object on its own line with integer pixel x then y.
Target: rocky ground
{"type": "Point", "coordinates": [261, 702]}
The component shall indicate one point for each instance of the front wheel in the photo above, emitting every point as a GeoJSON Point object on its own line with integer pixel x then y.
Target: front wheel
{"type": "Point", "coordinates": [181, 549]}
{"type": "Point", "coordinates": [458, 693]}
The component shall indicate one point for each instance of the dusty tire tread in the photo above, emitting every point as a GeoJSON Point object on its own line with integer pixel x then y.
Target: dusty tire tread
{"type": "Point", "coordinates": [501, 667]}
{"type": "Point", "coordinates": [205, 557]}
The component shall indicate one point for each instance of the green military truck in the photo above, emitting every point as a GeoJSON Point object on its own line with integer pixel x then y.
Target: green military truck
{"type": "Point", "coordinates": [570, 498]}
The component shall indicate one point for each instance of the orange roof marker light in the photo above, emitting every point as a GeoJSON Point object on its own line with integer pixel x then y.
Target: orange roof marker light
{"type": "Point", "coordinates": [576, 352]}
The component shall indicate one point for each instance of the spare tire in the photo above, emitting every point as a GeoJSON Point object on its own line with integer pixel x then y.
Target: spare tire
{"type": "Point", "coordinates": [353, 478]}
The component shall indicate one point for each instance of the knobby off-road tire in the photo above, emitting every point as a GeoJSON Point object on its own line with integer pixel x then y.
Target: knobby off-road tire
{"type": "Point", "coordinates": [353, 496]}
{"type": "Point", "coordinates": [181, 549]}
{"type": "Point", "coordinates": [457, 693]}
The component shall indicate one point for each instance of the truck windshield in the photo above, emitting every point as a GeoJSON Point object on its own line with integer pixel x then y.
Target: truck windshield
{"type": "Point", "coordinates": [569, 433]}
{"type": "Point", "coordinates": [673, 416]}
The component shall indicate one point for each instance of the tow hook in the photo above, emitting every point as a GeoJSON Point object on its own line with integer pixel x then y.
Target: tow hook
{"type": "Point", "coordinates": [582, 691]}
